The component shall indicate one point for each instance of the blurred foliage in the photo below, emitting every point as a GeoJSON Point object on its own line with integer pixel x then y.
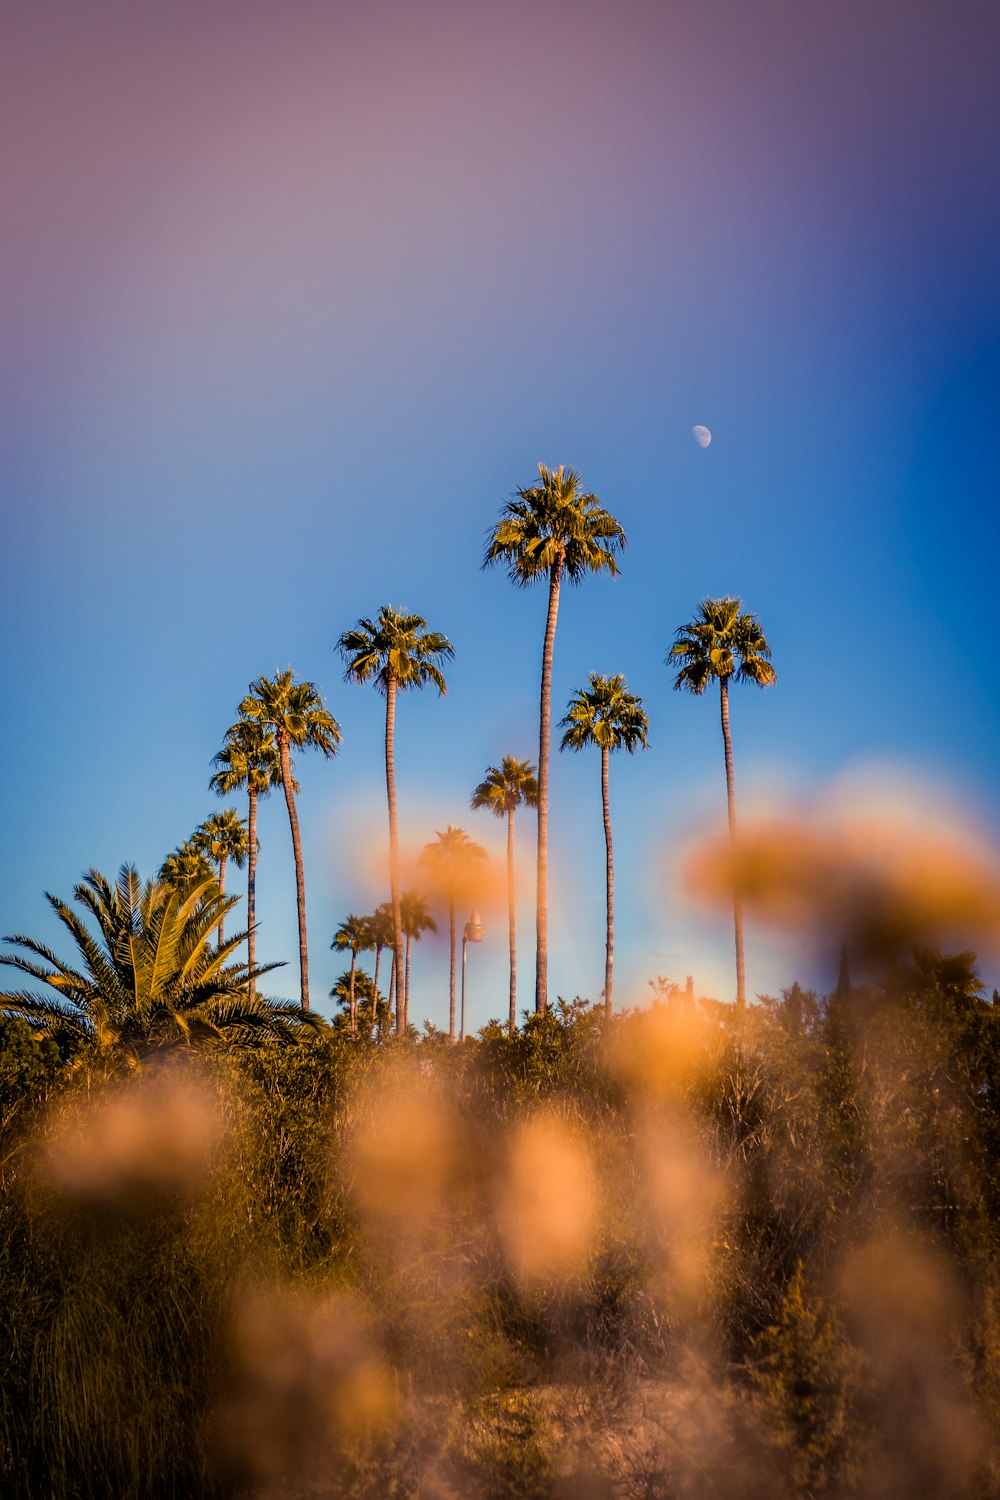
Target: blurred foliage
{"type": "Point", "coordinates": [681, 1252]}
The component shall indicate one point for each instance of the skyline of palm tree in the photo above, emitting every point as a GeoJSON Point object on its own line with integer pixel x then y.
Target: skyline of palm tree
{"type": "Point", "coordinates": [503, 789]}
{"type": "Point", "coordinates": [551, 530]}
{"type": "Point", "coordinates": [607, 715]}
{"type": "Point", "coordinates": [724, 641]}
{"type": "Point", "coordinates": [249, 760]}
{"type": "Point", "coordinates": [397, 652]}
{"type": "Point", "coordinates": [450, 863]}
{"type": "Point", "coordinates": [298, 716]}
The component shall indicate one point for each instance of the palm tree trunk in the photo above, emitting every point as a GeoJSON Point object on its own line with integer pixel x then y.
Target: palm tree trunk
{"type": "Point", "coordinates": [741, 983]}
{"type": "Point", "coordinates": [390, 786]}
{"type": "Point", "coordinates": [545, 706]}
{"type": "Point", "coordinates": [609, 951]}
{"type": "Point", "coordinates": [392, 983]}
{"type": "Point", "coordinates": [451, 982]}
{"type": "Point", "coordinates": [300, 884]}
{"type": "Point", "coordinates": [222, 889]}
{"type": "Point", "coordinates": [378, 960]}
{"type": "Point", "coordinates": [511, 916]}
{"type": "Point", "coordinates": [352, 1002]}
{"type": "Point", "coordinates": [252, 886]}
{"type": "Point", "coordinates": [406, 984]}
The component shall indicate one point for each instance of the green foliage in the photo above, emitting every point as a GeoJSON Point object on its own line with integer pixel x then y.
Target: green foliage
{"type": "Point", "coordinates": [395, 647]}
{"type": "Point", "coordinates": [809, 1376]}
{"type": "Point", "coordinates": [554, 524]}
{"type": "Point", "coordinates": [507, 787]}
{"type": "Point", "coordinates": [605, 715]}
{"type": "Point", "coordinates": [150, 976]}
{"type": "Point", "coordinates": [722, 641]}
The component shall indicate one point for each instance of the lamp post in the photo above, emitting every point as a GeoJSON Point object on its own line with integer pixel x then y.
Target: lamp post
{"type": "Point", "coordinates": [472, 933]}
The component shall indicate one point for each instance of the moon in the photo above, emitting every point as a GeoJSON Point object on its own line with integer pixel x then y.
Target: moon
{"type": "Point", "coordinates": [701, 435]}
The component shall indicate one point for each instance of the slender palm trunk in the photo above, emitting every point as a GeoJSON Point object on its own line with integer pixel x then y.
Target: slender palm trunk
{"type": "Point", "coordinates": [406, 984]}
{"type": "Point", "coordinates": [741, 983]}
{"type": "Point", "coordinates": [252, 886]}
{"type": "Point", "coordinates": [609, 951]}
{"type": "Point", "coordinates": [378, 960]}
{"type": "Point", "coordinates": [392, 985]}
{"type": "Point", "coordinates": [451, 980]}
{"type": "Point", "coordinates": [390, 786]}
{"type": "Point", "coordinates": [545, 708]}
{"type": "Point", "coordinates": [351, 1000]}
{"type": "Point", "coordinates": [300, 883]}
{"type": "Point", "coordinates": [511, 916]}
{"type": "Point", "coordinates": [222, 888]}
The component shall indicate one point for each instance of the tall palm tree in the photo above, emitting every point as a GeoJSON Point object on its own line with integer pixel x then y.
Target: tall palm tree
{"type": "Point", "coordinates": [149, 976]}
{"type": "Point", "coordinates": [295, 711]}
{"type": "Point", "coordinates": [249, 758]}
{"type": "Point", "coordinates": [503, 789]}
{"type": "Point", "coordinates": [551, 530]}
{"type": "Point", "coordinates": [724, 642]}
{"type": "Point", "coordinates": [223, 837]}
{"type": "Point", "coordinates": [416, 921]}
{"type": "Point", "coordinates": [398, 652]}
{"type": "Point", "coordinates": [354, 933]}
{"type": "Point", "coordinates": [606, 715]}
{"type": "Point", "coordinates": [451, 863]}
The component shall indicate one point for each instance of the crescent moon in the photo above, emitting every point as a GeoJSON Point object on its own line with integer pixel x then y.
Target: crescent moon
{"type": "Point", "coordinates": [702, 436]}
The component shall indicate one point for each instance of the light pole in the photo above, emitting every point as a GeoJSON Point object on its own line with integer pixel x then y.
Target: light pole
{"type": "Point", "coordinates": [473, 933]}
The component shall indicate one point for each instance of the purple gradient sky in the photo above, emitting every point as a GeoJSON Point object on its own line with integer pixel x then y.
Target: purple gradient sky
{"type": "Point", "coordinates": [294, 298]}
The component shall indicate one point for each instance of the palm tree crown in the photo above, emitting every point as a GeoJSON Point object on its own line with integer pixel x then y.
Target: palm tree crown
{"type": "Point", "coordinates": [149, 977]}
{"type": "Point", "coordinates": [506, 787]}
{"type": "Point", "coordinates": [554, 523]}
{"type": "Point", "coordinates": [396, 651]}
{"type": "Point", "coordinates": [548, 530]}
{"type": "Point", "coordinates": [395, 648]}
{"type": "Point", "coordinates": [605, 715]}
{"type": "Point", "coordinates": [722, 641]}
{"type": "Point", "coordinates": [248, 760]}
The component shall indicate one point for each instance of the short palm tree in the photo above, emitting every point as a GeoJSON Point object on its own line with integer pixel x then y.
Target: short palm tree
{"type": "Point", "coordinates": [149, 976]}
{"type": "Point", "coordinates": [502, 790]}
{"type": "Point", "coordinates": [223, 839]}
{"type": "Point", "coordinates": [416, 921]}
{"type": "Point", "coordinates": [607, 715]}
{"type": "Point", "coordinates": [551, 530]}
{"type": "Point", "coordinates": [451, 863]}
{"type": "Point", "coordinates": [249, 759]}
{"type": "Point", "coordinates": [186, 867]}
{"type": "Point", "coordinates": [355, 934]}
{"type": "Point", "coordinates": [295, 712]}
{"type": "Point", "coordinates": [396, 651]}
{"type": "Point", "coordinates": [724, 642]}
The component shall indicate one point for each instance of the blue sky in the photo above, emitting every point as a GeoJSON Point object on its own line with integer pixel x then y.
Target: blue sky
{"type": "Point", "coordinates": [292, 310]}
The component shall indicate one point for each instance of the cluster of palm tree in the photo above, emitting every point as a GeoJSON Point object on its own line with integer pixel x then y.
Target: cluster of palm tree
{"type": "Point", "coordinates": [550, 532]}
{"type": "Point", "coordinates": [373, 934]}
